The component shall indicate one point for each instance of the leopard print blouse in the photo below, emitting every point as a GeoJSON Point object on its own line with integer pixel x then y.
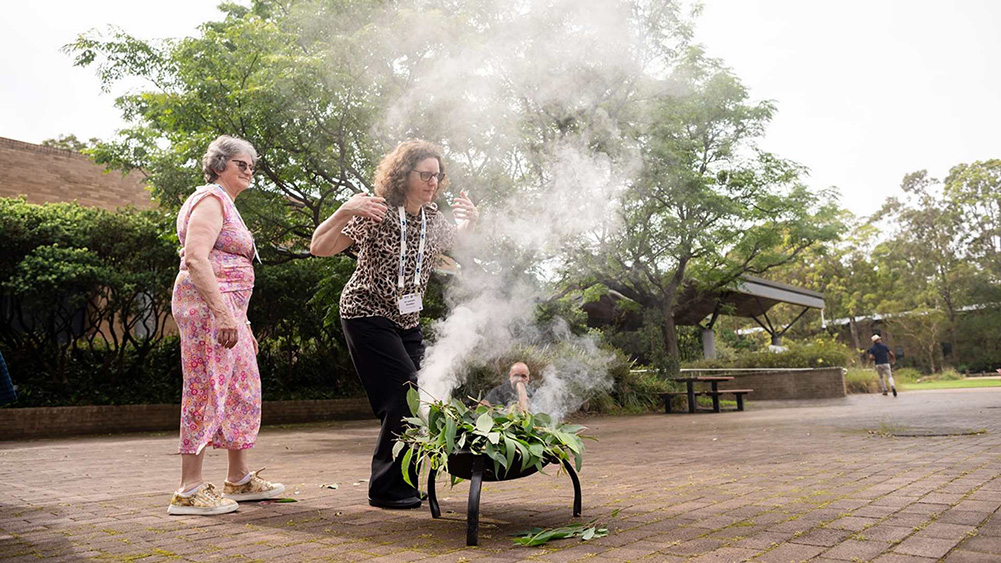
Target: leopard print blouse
{"type": "Point", "coordinates": [372, 290]}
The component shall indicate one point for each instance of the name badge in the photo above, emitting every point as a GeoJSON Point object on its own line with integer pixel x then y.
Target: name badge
{"type": "Point", "coordinates": [410, 303]}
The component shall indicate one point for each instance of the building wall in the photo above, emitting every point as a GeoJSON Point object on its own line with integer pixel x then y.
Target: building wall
{"type": "Point", "coordinates": [45, 175]}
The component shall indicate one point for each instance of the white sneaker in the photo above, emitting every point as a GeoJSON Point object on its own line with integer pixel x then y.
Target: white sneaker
{"type": "Point", "coordinates": [205, 501]}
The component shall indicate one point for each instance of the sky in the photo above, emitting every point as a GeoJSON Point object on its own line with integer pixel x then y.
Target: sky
{"type": "Point", "coordinates": [866, 90]}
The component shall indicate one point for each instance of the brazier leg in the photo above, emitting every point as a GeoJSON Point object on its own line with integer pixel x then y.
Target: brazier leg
{"type": "Point", "coordinates": [473, 508]}
{"type": "Point", "coordinates": [432, 496]}
{"type": "Point", "coordinates": [576, 487]}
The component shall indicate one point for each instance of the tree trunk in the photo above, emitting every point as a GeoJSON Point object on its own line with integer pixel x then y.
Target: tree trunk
{"type": "Point", "coordinates": [853, 326]}
{"type": "Point", "coordinates": [670, 336]}
{"type": "Point", "coordinates": [952, 335]}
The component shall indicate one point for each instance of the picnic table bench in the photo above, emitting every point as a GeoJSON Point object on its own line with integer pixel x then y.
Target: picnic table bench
{"type": "Point", "coordinates": [690, 391]}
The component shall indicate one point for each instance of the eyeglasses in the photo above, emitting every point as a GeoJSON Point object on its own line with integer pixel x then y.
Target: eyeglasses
{"type": "Point", "coordinates": [426, 176]}
{"type": "Point", "coordinates": [244, 165]}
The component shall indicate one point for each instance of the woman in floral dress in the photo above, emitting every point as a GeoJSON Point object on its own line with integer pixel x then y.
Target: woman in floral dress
{"type": "Point", "coordinates": [221, 396]}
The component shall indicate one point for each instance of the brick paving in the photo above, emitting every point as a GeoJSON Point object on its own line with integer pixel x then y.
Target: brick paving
{"type": "Point", "coordinates": [867, 478]}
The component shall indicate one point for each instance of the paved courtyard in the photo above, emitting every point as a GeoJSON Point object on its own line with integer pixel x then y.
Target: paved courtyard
{"type": "Point", "coordinates": [867, 478]}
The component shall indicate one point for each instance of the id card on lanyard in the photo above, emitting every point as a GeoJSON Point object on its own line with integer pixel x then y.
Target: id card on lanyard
{"type": "Point", "coordinates": [240, 217]}
{"type": "Point", "coordinates": [411, 302]}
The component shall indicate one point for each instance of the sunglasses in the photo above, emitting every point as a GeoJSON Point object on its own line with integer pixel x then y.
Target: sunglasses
{"type": "Point", "coordinates": [244, 165]}
{"type": "Point", "coordinates": [426, 176]}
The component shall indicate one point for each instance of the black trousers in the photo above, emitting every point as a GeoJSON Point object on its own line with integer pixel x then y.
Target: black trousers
{"type": "Point", "coordinates": [387, 359]}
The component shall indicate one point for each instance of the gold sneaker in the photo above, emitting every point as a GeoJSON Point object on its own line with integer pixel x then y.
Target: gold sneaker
{"type": "Point", "coordinates": [254, 489]}
{"type": "Point", "coordinates": [205, 501]}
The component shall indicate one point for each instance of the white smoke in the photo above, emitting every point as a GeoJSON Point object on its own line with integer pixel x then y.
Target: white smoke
{"type": "Point", "coordinates": [529, 99]}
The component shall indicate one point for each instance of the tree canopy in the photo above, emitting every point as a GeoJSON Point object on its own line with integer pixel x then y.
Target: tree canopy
{"type": "Point", "coordinates": [321, 88]}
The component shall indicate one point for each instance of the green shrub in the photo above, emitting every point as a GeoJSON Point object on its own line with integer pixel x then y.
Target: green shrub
{"type": "Point", "coordinates": [947, 374]}
{"type": "Point", "coordinates": [819, 353]}
{"type": "Point", "coordinates": [905, 375]}
{"type": "Point", "coordinates": [633, 391]}
{"type": "Point", "coordinates": [861, 380]}
{"type": "Point", "coordinates": [76, 284]}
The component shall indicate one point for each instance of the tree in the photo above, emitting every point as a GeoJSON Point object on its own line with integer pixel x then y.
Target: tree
{"type": "Point", "coordinates": [975, 191]}
{"type": "Point", "coordinates": [296, 87]}
{"type": "Point", "coordinates": [708, 206]}
{"type": "Point", "coordinates": [923, 327]}
{"type": "Point", "coordinates": [845, 271]}
{"type": "Point", "coordinates": [929, 248]}
{"type": "Point", "coordinates": [70, 143]}
{"type": "Point", "coordinates": [322, 88]}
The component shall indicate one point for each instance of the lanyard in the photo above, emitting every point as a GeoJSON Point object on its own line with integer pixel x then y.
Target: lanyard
{"type": "Point", "coordinates": [240, 217]}
{"type": "Point", "coordinates": [403, 248]}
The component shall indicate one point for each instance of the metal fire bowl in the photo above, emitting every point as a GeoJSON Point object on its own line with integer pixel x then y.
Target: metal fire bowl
{"type": "Point", "coordinates": [460, 464]}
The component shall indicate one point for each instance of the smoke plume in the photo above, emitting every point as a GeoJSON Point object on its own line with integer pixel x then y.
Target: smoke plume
{"type": "Point", "coordinates": [529, 100]}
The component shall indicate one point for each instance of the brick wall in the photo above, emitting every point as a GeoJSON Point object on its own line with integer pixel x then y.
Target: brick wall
{"type": "Point", "coordinates": [45, 174]}
{"type": "Point", "coordinates": [827, 383]}
{"type": "Point", "coordinates": [42, 422]}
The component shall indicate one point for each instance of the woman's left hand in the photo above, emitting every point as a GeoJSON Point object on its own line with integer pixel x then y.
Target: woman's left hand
{"type": "Point", "coordinates": [464, 209]}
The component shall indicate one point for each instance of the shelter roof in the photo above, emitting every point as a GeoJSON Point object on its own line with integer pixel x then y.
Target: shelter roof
{"type": "Point", "coordinates": [752, 297]}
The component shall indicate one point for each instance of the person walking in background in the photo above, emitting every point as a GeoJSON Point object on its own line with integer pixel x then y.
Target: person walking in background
{"type": "Point", "coordinates": [7, 392]}
{"type": "Point", "coordinates": [398, 234]}
{"type": "Point", "coordinates": [882, 356]}
{"type": "Point", "coordinates": [221, 394]}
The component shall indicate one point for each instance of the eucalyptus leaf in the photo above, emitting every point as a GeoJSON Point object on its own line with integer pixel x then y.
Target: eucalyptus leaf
{"type": "Point", "coordinates": [484, 423]}
{"type": "Point", "coordinates": [450, 434]}
{"type": "Point", "coordinates": [406, 466]}
{"type": "Point", "coordinates": [414, 401]}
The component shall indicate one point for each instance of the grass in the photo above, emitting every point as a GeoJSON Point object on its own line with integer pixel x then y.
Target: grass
{"type": "Point", "coordinates": [864, 380]}
{"type": "Point", "coordinates": [951, 384]}
{"type": "Point", "coordinates": [704, 401]}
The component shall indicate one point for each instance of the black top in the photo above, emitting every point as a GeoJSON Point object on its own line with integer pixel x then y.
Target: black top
{"type": "Point", "coordinates": [881, 352]}
{"type": "Point", "coordinates": [7, 393]}
{"type": "Point", "coordinates": [505, 394]}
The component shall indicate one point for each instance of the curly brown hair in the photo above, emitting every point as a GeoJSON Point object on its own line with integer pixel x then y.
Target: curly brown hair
{"type": "Point", "coordinates": [393, 171]}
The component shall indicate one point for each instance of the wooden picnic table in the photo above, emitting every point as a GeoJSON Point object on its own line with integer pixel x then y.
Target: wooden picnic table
{"type": "Point", "coordinates": [714, 382]}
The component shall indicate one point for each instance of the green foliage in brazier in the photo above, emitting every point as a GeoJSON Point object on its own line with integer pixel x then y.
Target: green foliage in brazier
{"type": "Point", "coordinates": [510, 438]}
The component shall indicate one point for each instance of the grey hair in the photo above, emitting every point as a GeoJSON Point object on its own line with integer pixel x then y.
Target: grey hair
{"type": "Point", "coordinates": [223, 148]}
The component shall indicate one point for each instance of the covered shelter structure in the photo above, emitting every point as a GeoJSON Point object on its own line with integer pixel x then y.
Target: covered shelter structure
{"type": "Point", "coordinates": [751, 297]}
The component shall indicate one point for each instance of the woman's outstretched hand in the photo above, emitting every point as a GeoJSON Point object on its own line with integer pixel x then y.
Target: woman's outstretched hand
{"type": "Point", "coordinates": [464, 209]}
{"type": "Point", "coordinates": [368, 206]}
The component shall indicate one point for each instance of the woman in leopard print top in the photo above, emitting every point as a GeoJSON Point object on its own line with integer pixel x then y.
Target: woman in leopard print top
{"type": "Point", "coordinates": [398, 235]}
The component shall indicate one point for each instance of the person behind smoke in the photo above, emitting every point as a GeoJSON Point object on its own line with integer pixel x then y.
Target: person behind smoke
{"type": "Point", "coordinates": [882, 356]}
{"type": "Point", "coordinates": [398, 235]}
{"type": "Point", "coordinates": [7, 392]}
{"type": "Point", "coordinates": [515, 392]}
{"type": "Point", "coordinates": [221, 392]}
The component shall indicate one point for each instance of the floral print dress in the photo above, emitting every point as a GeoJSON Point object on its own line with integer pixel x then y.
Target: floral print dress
{"type": "Point", "coordinates": [221, 395]}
